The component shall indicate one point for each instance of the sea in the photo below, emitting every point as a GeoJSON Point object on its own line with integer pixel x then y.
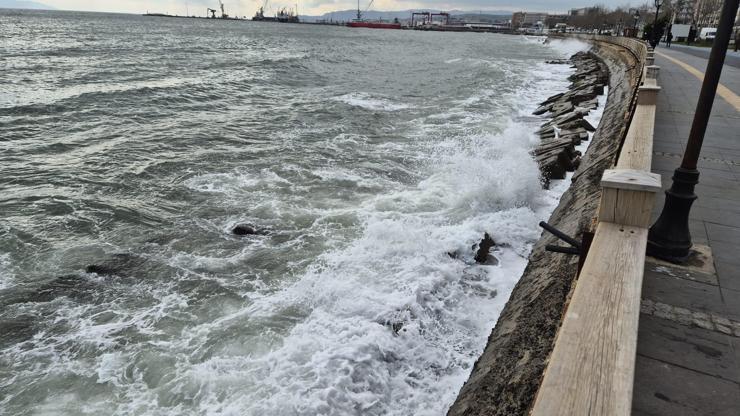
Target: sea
{"type": "Point", "coordinates": [368, 162]}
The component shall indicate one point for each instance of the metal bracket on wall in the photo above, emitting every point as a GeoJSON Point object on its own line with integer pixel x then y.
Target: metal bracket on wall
{"type": "Point", "coordinates": [577, 248]}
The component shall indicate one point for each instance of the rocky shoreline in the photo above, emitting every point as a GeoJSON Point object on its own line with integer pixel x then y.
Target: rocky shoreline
{"type": "Point", "coordinates": [556, 154]}
{"type": "Point", "coordinates": [506, 377]}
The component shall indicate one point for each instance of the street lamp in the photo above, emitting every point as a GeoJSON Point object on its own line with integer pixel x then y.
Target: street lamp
{"type": "Point", "coordinates": [669, 238]}
{"type": "Point", "coordinates": [656, 34]}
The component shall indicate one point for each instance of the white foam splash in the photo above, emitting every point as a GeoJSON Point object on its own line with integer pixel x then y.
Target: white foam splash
{"type": "Point", "coordinates": [370, 102]}
{"type": "Point", "coordinates": [569, 47]}
{"type": "Point", "coordinates": [387, 324]}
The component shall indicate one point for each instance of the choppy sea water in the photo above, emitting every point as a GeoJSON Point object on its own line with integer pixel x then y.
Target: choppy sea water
{"type": "Point", "coordinates": [135, 144]}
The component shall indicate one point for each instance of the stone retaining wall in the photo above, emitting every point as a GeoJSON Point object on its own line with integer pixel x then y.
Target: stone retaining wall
{"type": "Point", "coordinates": [505, 379]}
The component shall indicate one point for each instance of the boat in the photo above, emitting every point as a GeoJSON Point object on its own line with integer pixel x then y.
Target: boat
{"type": "Point", "coordinates": [359, 22]}
{"type": "Point", "coordinates": [374, 25]}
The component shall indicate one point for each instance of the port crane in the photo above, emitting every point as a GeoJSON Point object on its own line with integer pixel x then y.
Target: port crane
{"type": "Point", "coordinates": [260, 15]}
{"type": "Point", "coordinates": [213, 11]}
{"type": "Point", "coordinates": [223, 10]}
{"type": "Point", "coordinates": [427, 18]}
{"type": "Point", "coordinates": [359, 13]}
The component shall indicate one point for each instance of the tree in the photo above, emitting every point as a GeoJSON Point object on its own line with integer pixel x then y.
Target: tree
{"type": "Point", "coordinates": [707, 12]}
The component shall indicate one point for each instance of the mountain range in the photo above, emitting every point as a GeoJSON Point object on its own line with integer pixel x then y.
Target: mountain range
{"type": "Point", "coordinates": [21, 4]}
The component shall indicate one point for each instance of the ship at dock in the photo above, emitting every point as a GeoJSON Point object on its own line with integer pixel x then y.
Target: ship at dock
{"type": "Point", "coordinates": [284, 15]}
{"type": "Point", "coordinates": [359, 22]}
{"type": "Point", "coordinates": [210, 14]}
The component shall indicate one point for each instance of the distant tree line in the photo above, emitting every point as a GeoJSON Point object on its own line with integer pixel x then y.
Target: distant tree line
{"type": "Point", "coordinates": [694, 12]}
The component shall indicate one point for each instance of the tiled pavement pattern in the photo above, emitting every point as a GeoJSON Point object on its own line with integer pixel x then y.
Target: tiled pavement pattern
{"type": "Point", "coordinates": [688, 353]}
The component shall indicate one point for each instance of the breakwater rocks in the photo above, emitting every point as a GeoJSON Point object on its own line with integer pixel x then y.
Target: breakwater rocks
{"type": "Point", "coordinates": [556, 153]}
{"type": "Point", "coordinates": [505, 379]}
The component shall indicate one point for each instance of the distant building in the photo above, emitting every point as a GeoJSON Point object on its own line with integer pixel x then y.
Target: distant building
{"type": "Point", "coordinates": [527, 19]}
{"type": "Point", "coordinates": [517, 19]}
{"type": "Point", "coordinates": [579, 12]}
{"type": "Point", "coordinates": [553, 20]}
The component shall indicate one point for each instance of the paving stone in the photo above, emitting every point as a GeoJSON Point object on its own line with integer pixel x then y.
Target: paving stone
{"type": "Point", "coordinates": [664, 389]}
{"type": "Point", "coordinates": [727, 274]}
{"type": "Point", "coordinates": [675, 291]}
{"type": "Point", "coordinates": [728, 253]}
{"type": "Point", "coordinates": [687, 364]}
{"type": "Point", "coordinates": [731, 299]}
{"type": "Point", "coordinates": [698, 349]}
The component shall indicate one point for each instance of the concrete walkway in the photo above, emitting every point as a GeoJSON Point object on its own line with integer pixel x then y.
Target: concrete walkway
{"type": "Point", "coordinates": [688, 360]}
{"type": "Point", "coordinates": [733, 58]}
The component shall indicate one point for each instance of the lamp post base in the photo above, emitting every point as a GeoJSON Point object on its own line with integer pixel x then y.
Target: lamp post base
{"type": "Point", "coordinates": [669, 238]}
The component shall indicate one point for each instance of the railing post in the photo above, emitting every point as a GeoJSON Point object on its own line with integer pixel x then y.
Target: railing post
{"type": "Point", "coordinates": [651, 71]}
{"type": "Point", "coordinates": [648, 95]}
{"type": "Point", "coordinates": [650, 58]}
{"type": "Point", "coordinates": [628, 196]}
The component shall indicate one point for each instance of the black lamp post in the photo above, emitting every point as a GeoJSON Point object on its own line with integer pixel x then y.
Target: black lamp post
{"type": "Point", "coordinates": [656, 35]}
{"type": "Point", "coordinates": [669, 238]}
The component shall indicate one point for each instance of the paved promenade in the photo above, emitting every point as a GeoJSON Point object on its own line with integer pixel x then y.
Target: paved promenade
{"type": "Point", "coordinates": [733, 58]}
{"type": "Point", "coordinates": [688, 359]}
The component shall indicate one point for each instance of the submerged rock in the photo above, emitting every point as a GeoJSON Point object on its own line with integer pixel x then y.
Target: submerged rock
{"type": "Point", "coordinates": [484, 247]}
{"type": "Point", "coordinates": [247, 229]}
{"type": "Point", "coordinates": [100, 269]}
{"type": "Point", "coordinates": [119, 264]}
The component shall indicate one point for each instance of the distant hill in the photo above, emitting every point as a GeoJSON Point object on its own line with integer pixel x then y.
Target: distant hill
{"type": "Point", "coordinates": [347, 15]}
{"type": "Point", "coordinates": [20, 4]}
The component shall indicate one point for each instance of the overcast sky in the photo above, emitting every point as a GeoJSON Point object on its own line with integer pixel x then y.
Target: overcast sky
{"type": "Point", "coordinates": [317, 7]}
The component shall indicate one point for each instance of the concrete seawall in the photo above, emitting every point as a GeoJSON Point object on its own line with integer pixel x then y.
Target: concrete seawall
{"type": "Point", "coordinates": [505, 379]}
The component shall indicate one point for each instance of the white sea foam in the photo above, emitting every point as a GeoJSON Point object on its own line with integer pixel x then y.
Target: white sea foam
{"type": "Point", "coordinates": [343, 357]}
{"type": "Point", "coordinates": [387, 323]}
{"type": "Point", "coordinates": [229, 183]}
{"type": "Point", "coordinates": [7, 276]}
{"type": "Point", "coordinates": [370, 102]}
{"type": "Point", "coordinates": [569, 46]}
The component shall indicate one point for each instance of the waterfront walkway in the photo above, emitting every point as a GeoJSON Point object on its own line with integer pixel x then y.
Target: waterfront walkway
{"type": "Point", "coordinates": [733, 58]}
{"type": "Point", "coordinates": [688, 360]}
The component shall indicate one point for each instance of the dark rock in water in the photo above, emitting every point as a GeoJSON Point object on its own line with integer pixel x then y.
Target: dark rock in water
{"type": "Point", "coordinates": [541, 110]}
{"type": "Point", "coordinates": [99, 269]}
{"type": "Point", "coordinates": [547, 135]}
{"type": "Point", "coordinates": [586, 125]}
{"type": "Point", "coordinates": [553, 98]}
{"type": "Point", "coordinates": [247, 229]}
{"type": "Point", "coordinates": [119, 265]}
{"type": "Point", "coordinates": [561, 108]}
{"type": "Point", "coordinates": [484, 247]}
{"type": "Point", "coordinates": [396, 327]}
{"type": "Point", "coordinates": [491, 260]}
